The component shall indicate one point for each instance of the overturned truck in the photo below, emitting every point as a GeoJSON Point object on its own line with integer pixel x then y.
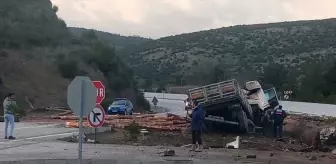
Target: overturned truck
{"type": "Point", "coordinates": [227, 103]}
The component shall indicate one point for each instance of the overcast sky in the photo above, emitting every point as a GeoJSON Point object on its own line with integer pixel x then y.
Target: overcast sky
{"type": "Point", "coordinates": [158, 18]}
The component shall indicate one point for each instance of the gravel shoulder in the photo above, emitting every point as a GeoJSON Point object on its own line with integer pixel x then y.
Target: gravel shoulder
{"type": "Point", "coordinates": [266, 149]}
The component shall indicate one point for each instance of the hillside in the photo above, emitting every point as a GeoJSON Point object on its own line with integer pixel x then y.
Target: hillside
{"type": "Point", "coordinates": [115, 40]}
{"type": "Point", "coordinates": [292, 50]}
{"type": "Point", "coordinates": [39, 57]}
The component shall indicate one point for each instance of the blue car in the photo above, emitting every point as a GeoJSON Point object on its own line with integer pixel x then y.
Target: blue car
{"type": "Point", "coordinates": [121, 106]}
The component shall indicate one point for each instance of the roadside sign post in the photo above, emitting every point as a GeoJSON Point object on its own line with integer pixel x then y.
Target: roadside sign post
{"type": "Point", "coordinates": [81, 98]}
{"type": "Point", "coordinates": [100, 98]}
{"type": "Point", "coordinates": [96, 118]}
{"type": "Point", "coordinates": [155, 101]}
{"type": "Point", "coordinates": [163, 92]}
{"type": "Point", "coordinates": [95, 135]}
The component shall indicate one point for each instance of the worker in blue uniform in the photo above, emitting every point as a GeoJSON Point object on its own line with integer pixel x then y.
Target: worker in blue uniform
{"type": "Point", "coordinates": [197, 124]}
{"type": "Point", "coordinates": [278, 116]}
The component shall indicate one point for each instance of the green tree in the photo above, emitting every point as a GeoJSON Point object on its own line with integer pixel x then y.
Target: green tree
{"type": "Point", "coordinates": [89, 36]}
{"type": "Point", "coordinates": [161, 88]}
{"type": "Point", "coordinates": [55, 8]}
{"type": "Point", "coordinates": [148, 84]}
{"type": "Point", "coordinates": [68, 69]}
{"type": "Point", "coordinates": [275, 74]}
{"type": "Point", "coordinates": [119, 76]}
{"type": "Point", "coordinates": [331, 79]}
{"type": "Point", "coordinates": [217, 75]}
{"type": "Point", "coordinates": [117, 73]}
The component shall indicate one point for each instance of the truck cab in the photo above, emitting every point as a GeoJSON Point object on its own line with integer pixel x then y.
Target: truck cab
{"type": "Point", "coordinates": [188, 104]}
{"type": "Point", "coordinates": [272, 97]}
{"type": "Point", "coordinates": [261, 100]}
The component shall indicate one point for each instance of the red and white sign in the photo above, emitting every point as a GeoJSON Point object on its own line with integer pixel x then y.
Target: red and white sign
{"type": "Point", "coordinates": [100, 91]}
{"type": "Point", "coordinates": [96, 117]}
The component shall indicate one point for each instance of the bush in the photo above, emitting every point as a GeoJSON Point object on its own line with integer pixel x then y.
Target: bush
{"type": "Point", "coordinates": [105, 104]}
{"type": "Point", "coordinates": [330, 120]}
{"type": "Point", "coordinates": [134, 130]}
{"type": "Point", "coordinates": [141, 101]}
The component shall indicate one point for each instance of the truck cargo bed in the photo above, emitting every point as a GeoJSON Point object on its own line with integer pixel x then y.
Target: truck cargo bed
{"type": "Point", "coordinates": [218, 96]}
{"type": "Point", "coordinates": [214, 93]}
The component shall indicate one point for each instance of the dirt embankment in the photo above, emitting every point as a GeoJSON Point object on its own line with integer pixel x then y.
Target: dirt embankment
{"type": "Point", "coordinates": [304, 130]}
{"type": "Point", "coordinates": [297, 147]}
{"type": "Point", "coordinates": [265, 149]}
{"type": "Point", "coordinates": [302, 133]}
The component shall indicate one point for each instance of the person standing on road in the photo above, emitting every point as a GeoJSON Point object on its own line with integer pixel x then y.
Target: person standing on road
{"type": "Point", "coordinates": [278, 116]}
{"type": "Point", "coordinates": [197, 123]}
{"type": "Point", "coordinates": [9, 104]}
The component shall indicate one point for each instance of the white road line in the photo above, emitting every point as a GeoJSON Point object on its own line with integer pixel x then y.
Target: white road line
{"type": "Point", "coordinates": [38, 137]}
{"type": "Point", "coordinates": [29, 127]}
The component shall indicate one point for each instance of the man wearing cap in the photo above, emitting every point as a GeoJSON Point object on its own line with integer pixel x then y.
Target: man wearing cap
{"type": "Point", "coordinates": [197, 123]}
{"type": "Point", "coordinates": [278, 116]}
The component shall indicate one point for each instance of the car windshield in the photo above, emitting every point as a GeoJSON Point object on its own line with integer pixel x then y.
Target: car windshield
{"type": "Point", "coordinates": [120, 102]}
{"type": "Point", "coordinates": [269, 93]}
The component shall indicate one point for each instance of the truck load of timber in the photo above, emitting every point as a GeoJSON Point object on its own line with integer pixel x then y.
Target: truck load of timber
{"type": "Point", "coordinates": [168, 122]}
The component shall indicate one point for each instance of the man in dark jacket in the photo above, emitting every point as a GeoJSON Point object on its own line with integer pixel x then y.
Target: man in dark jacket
{"type": "Point", "coordinates": [197, 123]}
{"type": "Point", "coordinates": [278, 116]}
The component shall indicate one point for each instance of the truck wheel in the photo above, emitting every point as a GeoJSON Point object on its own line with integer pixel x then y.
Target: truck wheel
{"type": "Point", "coordinates": [243, 123]}
{"type": "Point", "coordinates": [208, 126]}
{"type": "Point", "coordinates": [250, 126]}
{"type": "Point", "coordinates": [257, 116]}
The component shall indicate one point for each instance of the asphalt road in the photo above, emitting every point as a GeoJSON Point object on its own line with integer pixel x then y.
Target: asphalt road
{"type": "Point", "coordinates": [39, 141]}
{"type": "Point", "coordinates": [174, 103]}
{"type": "Point", "coordinates": [120, 153]}
{"type": "Point", "coordinates": [171, 106]}
{"type": "Point", "coordinates": [36, 132]}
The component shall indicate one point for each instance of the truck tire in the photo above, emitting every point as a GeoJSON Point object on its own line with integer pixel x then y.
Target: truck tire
{"type": "Point", "coordinates": [243, 121]}
{"type": "Point", "coordinates": [250, 126]}
{"type": "Point", "coordinates": [257, 116]}
{"type": "Point", "coordinates": [208, 126]}
{"type": "Point", "coordinates": [246, 107]}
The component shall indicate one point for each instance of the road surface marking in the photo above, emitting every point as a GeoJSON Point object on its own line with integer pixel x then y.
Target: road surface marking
{"type": "Point", "coordinates": [38, 137]}
{"type": "Point", "coordinates": [28, 127]}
